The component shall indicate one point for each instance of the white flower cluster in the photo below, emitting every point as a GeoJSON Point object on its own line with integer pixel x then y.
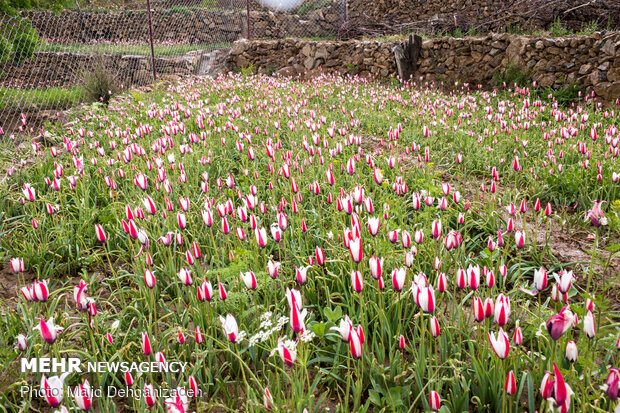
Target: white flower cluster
{"type": "Point", "coordinates": [267, 328]}
{"type": "Point", "coordinates": [307, 336]}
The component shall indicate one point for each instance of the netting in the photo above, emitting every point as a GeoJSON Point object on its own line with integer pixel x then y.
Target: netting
{"type": "Point", "coordinates": [47, 59]}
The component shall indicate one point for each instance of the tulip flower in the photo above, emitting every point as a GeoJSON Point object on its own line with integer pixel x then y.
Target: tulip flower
{"type": "Point", "coordinates": [83, 396]}
{"type": "Point", "coordinates": [502, 310]}
{"type": "Point", "coordinates": [373, 225]}
{"type": "Point", "coordinates": [100, 233]}
{"type": "Point", "coordinates": [287, 352]}
{"type": "Point", "coordinates": [267, 399]}
{"type": "Point", "coordinates": [301, 275]}
{"type": "Point", "coordinates": [249, 279]}
{"type": "Point", "coordinates": [40, 291]}
{"type": "Point", "coordinates": [435, 330]}
{"type": "Point", "coordinates": [261, 237]}
{"type": "Point", "coordinates": [185, 276]}
{"type": "Point", "coordinates": [194, 389]}
{"type": "Point", "coordinates": [17, 265]}
{"type": "Point", "coordinates": [128, 379]}
{"type": "Point", "coordinates": [204, 291]}
{"type": "Point", "coordinates": [146, 344]}
{"type": "Point", "coordinates": [149, 205]}
{"type": "Point", "coordinates": [149, 278]}
{"type": "Point", "coordinates": [149, 395]}
{"type": "Point", "coordinates": [436, 229]}
{"type": "Point", "coordinates": [376, 267]}
{"type": "Point", "coordinates": [540, 279]}
{"type": "Point", "coordinates": [29, 192]}
{"type": "Point", "coordinates": [405, 239]}
{"type": "Point", "coordinates": [473, 276]}
{"type": "Point", "coordinates": [500, 344]}
{"type": "Point", "coordinates": [355, 247]}
{"type": "Point", "coordinates": [320, 255]}
{"type": "Point", "coordinates": [53, 389]}
{"type": "Point", "coordinates": [489, 307]}
{"type": "Point", "coordinates": [613, 384]}
{"type": "Point", "coordinates": [442, 283]}
{"type": "Point", "coordinates": [355, 343]}
{"type": "Point", "coordinates": [434, 401]}
{"type": "Point", "coordinates": [356, 281]}
{"type": "Point", "coordinates": [596, 215]}
{"type": "Point", "coordinates": [564, 281]}
{"type": "Point", "coordinates": [344, 328]}
{"type": "Point", "coordinates": [398, 278]}
{"type": "Point", "coordinates": [511, 385]}
{"type": "Point", "coordinates": [222, 291]}
{"type": "Point", "coordinates": [560, 323]}
{"type": "Point", "coordinates": [589, 326]}
{"type": "Point", "coordinates": [229, 324]}
{"type": "Point", "coordinates": [49, 331]}
{"type": "Point", "coordinates": [426, 298]}
{"type": "Point", "coordinates": [198, 337]}
{"type": "Point", "coordinates": [272, 268]}
{"type": "Point", "coordinates": [571, 351]}
{"type": "Point", "coordinates": [21, 344]}
{"type": "Point", "coordinates": [479, 314]}
{"type": "Point", "coordinates": [561, 391]}
{"type": "Point", "coordinates": [520, 239]}
{"type": "Point", "coordinates": [401, 342]}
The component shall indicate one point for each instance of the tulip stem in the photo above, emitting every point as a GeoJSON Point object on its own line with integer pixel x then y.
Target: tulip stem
{"type": "Point", "coordinates": [591, 269]}
{"type": "Point", "coordinates": [107, 254]}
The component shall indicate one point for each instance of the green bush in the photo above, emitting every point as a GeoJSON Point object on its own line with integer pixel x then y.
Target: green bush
{"type": "Point", "coordinates": [511, 75]}
{"type": "Point", "coordinates": [24, 45]}
{"type": "Point", "coordinates": [5, 49]}
{"type": "Point", "coordinates": [99, 85]}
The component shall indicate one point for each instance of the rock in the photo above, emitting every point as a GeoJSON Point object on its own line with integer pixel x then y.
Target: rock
{"type": "Point", "coordinates": [608, 91]}
{"type": "Point", "coordinates": [239, 47]}
{"type": "Point", "coordinates": [287, 71]}
{"type": "Point", "coordinates": [585, 69]}
{"type": "Point", "coordinates": [309, 63]}
{"type": "Point", "coordinates": [609, 47]}
{"type": "Point", "coordinates": [321, 53]}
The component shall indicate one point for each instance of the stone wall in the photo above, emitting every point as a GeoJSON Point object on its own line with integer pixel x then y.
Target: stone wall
{"type": "Point", "coordinates": [593, 61]}
{"type": "Point", "coordinates": [183, 26]}
{"type": "Point", "coordinates": [483, 15]}
{"type": "Point", "coordinates": [67, 69]}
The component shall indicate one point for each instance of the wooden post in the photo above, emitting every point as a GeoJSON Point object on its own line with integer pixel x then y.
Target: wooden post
{"type": "Point", "coordinates": [148, 7]}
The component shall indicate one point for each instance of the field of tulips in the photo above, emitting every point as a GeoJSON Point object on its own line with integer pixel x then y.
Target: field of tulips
{"type": "Point", "coordinates": [331, 245]}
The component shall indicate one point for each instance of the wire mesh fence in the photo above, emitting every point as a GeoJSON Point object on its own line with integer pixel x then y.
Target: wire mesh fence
{"type": "Point", "coordinates": [47, 60]}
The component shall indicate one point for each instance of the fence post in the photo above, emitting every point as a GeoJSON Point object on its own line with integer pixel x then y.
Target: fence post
{"type": "Point", "coordinates": [247, 3]}
{"type": "Point", "coordinates": [148, 7]}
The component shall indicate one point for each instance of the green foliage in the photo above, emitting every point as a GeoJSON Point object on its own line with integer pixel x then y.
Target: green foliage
{"type": "Point", "coordinates": [310, 6]}
{"type": "Point", "coordinates": [565, 95]}
{"type": "Point", "coordinates": [558, 29]}
{"type": "Point", "coordinates": [512, 74]}
{"type": "Point", "coordinates": [248, 70]}
{"type": "Point", "coordinates": [24, 45]}
{"type": "Point", "coordinates": [49, 98]}
{"type": "Point", "coordinates": [5, 49]}
{"type": "Point", "coordinates": [99, 85]}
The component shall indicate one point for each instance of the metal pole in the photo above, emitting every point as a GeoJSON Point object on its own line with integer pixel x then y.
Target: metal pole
{"type": "Point", "coordinates": [148, 7]}
{"type": "Point", "coordinates": [247, 2]}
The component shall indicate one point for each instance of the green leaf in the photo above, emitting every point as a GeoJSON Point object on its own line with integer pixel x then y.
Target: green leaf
{"type": "Point", "coordinates": [374, 397]}
{"type": "Point", "coordinates": [333, 315]}
{"type": "Point", "coordinates": [319, 329]}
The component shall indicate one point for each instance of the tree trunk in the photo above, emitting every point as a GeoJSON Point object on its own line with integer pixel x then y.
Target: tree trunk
{"type": "Point", "coordinates": [406, 55]}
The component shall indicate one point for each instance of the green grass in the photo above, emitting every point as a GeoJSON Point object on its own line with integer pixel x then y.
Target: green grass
{"type": "Point", "coordinates": [130, 49]}
{"type": "Point", "coordinates": [49, 98]}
